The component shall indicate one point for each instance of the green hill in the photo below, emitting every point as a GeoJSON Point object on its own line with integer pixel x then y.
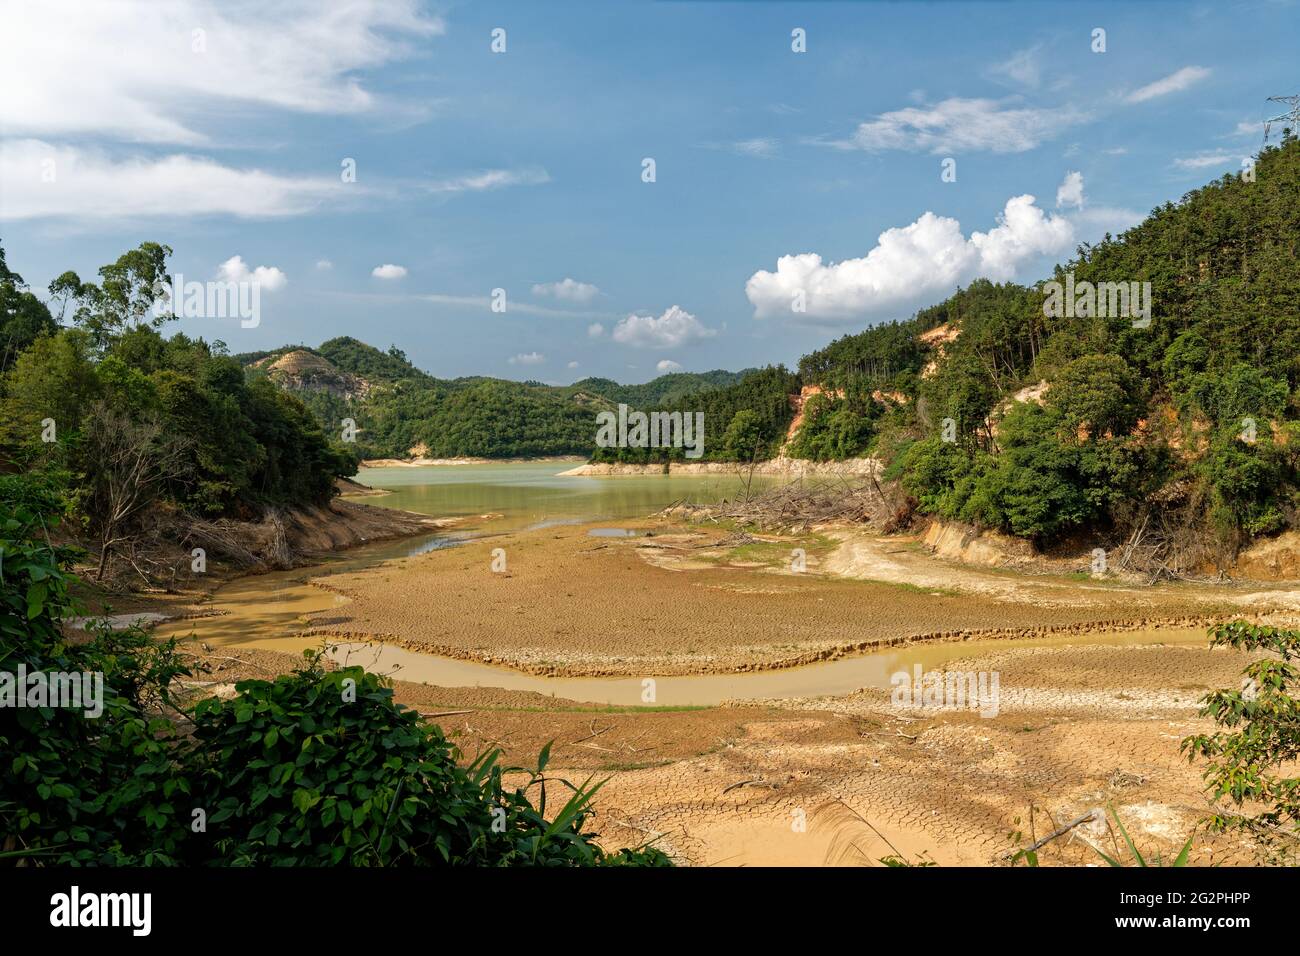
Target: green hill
{"type": "Point", "coordinates": [1178, 435]}
{"type": "Point", "coordinates": [398, 407]}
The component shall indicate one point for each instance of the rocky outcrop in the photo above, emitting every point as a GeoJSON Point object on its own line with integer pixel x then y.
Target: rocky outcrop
{"type": "Point", "coordinates": [1271, 559]}
{"type": "Point", "coordinates": [301, 370]}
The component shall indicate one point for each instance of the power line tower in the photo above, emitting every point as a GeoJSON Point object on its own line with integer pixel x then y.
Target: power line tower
{"type": "Point", "coordinates": [1290, 120]}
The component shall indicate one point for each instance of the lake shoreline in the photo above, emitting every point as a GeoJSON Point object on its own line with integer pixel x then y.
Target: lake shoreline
{"type": "Point", "coordinates": [453, 462]}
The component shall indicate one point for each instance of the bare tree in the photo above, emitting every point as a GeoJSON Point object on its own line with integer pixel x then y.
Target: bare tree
{"type": "Point", "coordinates": [128, 461]}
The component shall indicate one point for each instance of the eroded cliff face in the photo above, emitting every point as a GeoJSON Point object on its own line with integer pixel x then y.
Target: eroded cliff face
{"type": "Point", "coordinates": [300, 370]}
{"type": "Point", "coordinates": [1271, 559]}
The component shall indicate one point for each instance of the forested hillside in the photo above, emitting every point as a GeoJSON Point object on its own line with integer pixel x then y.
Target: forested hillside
{"type": "Point", "coordinates": [110, 416]}
{"type": "Point", "coordinates": [1179, 434]}
{"type": "Point", "coordinates": [398, 408]}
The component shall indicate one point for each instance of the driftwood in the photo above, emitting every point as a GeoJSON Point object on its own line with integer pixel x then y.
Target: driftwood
{"type": "Point", "coordinates": [801, 503]}
{"type": "Point", "coordinates": [1058, 832]}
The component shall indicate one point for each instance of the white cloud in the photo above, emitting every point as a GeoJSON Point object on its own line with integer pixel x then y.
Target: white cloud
{"type": "Point", "coordinates": [668, 365]}
{"type": "Point", "coordinates": [573, 365]}
{"type": "Point", "coordinates": [324, 265]}
{"type": "Point", "coordinates": [1175, 82]}
{"type": "Point", "coordinates": [760, 147]}
{"type": "Point", "coordinates": [909, 265]}
{"type": "Point", "coordinates": [1205, 160]}
{"type": "Point", "coordinates": [568, 290]}
{"type": "Point", "coordinates": [1096, 220]}
{"type": "Point", "coordinates": [38, 180]}
{"type": "Point", "coordinates": [1022, 67]}
{"type": "Point", "coordinates": [388, 271]}
{"type": "Point", "coordinates": [136, 70]}
{"type": "Point", "coordinates": [235, 269]}
{"type": "Point", "coordinates": [676, 327]}
{"type": "Point", "coordinates": [488, 179]}
{"type": "Point", "coordinates": [595, 330]}
{"type": "Point", "coordinates": [527, 358]}
{"type": "Point", "coordinates": [968, 125]}
{"type": "Point", "coordinates": [1070, 192]}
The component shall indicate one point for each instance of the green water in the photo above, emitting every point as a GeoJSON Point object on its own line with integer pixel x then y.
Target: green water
{"type": "Point", "coordinates": [531, 494]}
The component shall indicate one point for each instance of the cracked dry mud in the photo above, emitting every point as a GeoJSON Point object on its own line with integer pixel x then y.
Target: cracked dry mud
{"type": "Point", "coordinates": [844, 779]}
{"type": "Point", "coordinates": [576, 605]}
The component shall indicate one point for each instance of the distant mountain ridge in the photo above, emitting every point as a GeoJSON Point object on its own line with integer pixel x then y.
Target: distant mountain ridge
{"type": "Point", "coordinates": [401, 410]}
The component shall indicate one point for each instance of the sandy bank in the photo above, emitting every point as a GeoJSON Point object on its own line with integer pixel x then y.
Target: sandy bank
{"type": "Point", "coordinates": [778, 467]}
{"type": "Point", "coordinates": [421, 462]}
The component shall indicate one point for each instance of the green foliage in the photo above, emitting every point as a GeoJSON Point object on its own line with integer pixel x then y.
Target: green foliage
{"type": "Point", "coordinates": [744, 436]}
{"type": "Point", "coordinates": [835, 428]}
{"type": "Point", "coordinates": [78, 789]}
{"type": "Point", "coordinates": [23, 317]}
{"type": "Point", "coordinates": [764, 395]}
{"type": "Point", "coordinates": [322, 768]}
{"type": "Point", "coordinates": [313, 768]}
{"type": "Point", "coordinates": [245, 444]}
{"type": "Point", "coordinates": [1138, 858]}
{"type": "Point", "coordinates": [1201, 404]}
{"type": "Point", "coordinates": [474, 416]}
{"type": "Point", "coordinates": [1248, 758]}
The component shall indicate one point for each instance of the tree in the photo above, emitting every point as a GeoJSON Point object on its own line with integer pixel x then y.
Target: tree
{"type": "Point", "coordinates": [127, 464]}
{"type": "Point", "coordinates": [23, 317]}
{"type": "Point", "coordinates": [127, 296]}
{"type": "Point", "coordinates": [1260, 739]}
{"type": "Point", "coordinates": [1096, 395]}
{"type": "Point", "coordinates": [744, 436]}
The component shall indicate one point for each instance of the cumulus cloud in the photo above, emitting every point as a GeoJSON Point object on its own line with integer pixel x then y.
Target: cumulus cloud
{"type": "Point", "coordinates": [1070, 192]}
{"type": "Point", "coordinates": [235, 269]}
{"type": "Point", "coordinates": [676, 327]}
{"type": "Point", "coordinates": [573, 365]}
{"type": "Point", "coordinates": [967, 125]}
{"type": "Point", "coordinates": [1175, 82]}
{"type": "Point", "coordinates": [388, 271]}
{"type": "Point", "coordinates": [527, 358]}
{"type": "Point", "coordinates": [568, 290]}
{"type": "Point", "coordinates": [595, 330]}
{"type": "Point", "coordinates": [909, 265]}
{"type": "Point", "coordinates": [38, 180]}
{"type": "Point", "coordinates": [668, 365]}
{"type": "Point", "coordinates": [324, 265]}
{"type": "Point", "coordinates": [142, 71]}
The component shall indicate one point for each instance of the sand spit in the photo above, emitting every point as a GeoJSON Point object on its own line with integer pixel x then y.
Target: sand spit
{"type": "Point", "coordinates": [778, 467]}
{"type": "Point", "coordinates": [421, 461]}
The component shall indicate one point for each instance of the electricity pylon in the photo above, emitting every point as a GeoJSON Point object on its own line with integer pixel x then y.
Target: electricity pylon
{"type": "Point", "coordinates": [1290, 119]}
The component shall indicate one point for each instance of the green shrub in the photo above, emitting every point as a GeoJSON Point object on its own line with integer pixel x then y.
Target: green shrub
{"type": "Point", "coordinates": [313, 768]}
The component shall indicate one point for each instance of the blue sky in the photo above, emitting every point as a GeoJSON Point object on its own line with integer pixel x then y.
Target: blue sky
{"type": "Point", "coordinates": [519, 170]}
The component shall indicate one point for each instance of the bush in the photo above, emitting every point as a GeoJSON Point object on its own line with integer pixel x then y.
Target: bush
{"type": "Point", "coordinates": [313, 768]}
